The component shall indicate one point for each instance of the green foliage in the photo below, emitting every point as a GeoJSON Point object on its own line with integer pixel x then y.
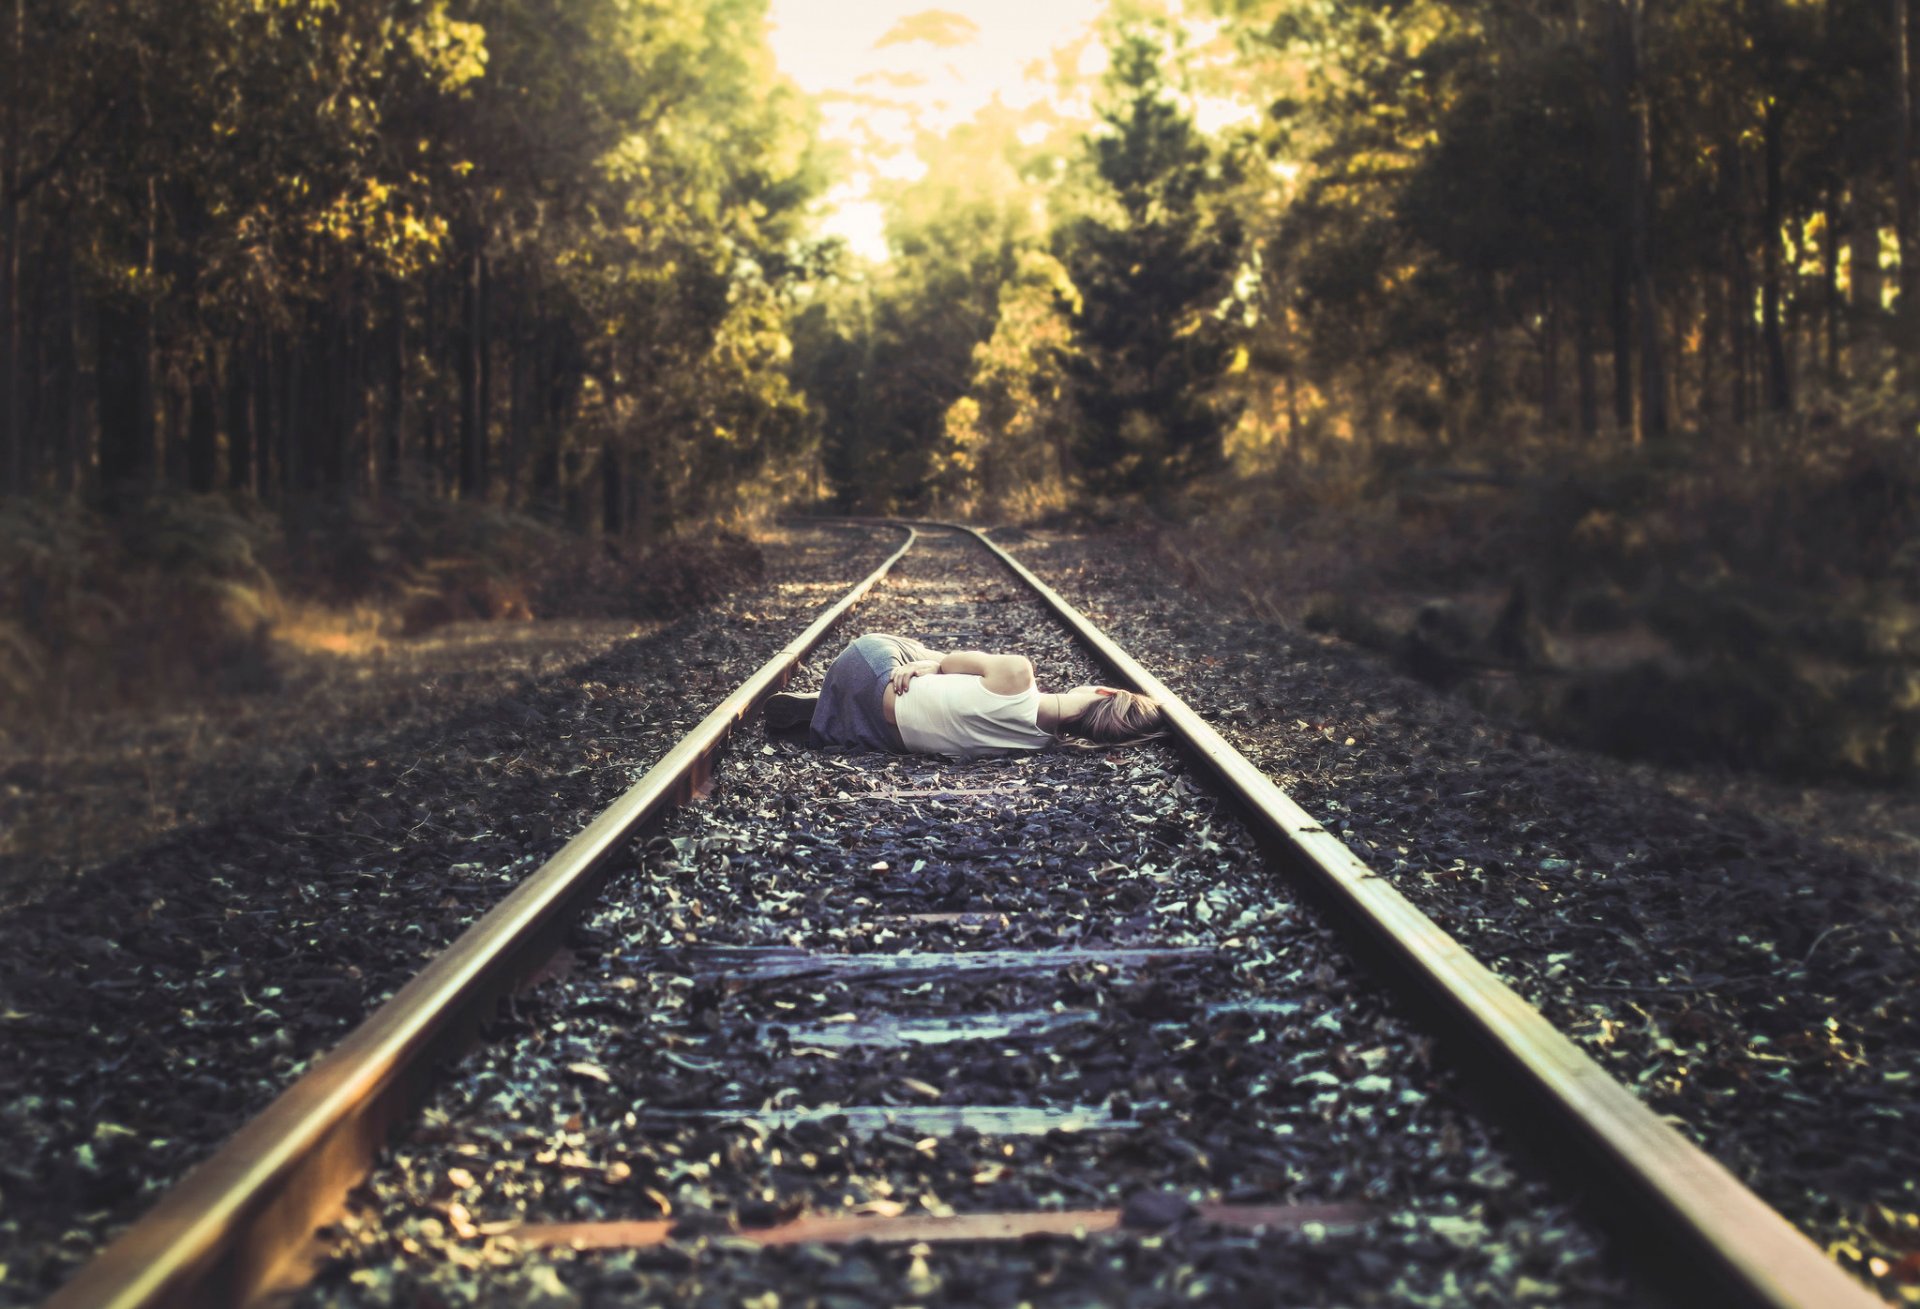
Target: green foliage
{"type": "Point", "coordinates": [1060, 315]}
{"type": "Point", "coordinates": [1008, 440]}
{"type": "Point", "coordinates": [1155, 267]}
{"type": "Point", "coordinates": [883, 355]}
{"type": "Point", "coordinates": [329, 230]}
{"type": "Point", "coordinates": [172, 596]}
{"type": "Point", "coordinates": [1509, 225]}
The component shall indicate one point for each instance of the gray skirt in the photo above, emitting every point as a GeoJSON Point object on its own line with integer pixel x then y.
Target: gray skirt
{"type": "Point", "coordinates": [851, 714]}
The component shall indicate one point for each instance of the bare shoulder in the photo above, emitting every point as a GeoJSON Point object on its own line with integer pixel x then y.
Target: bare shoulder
{"type": "Point", "coordinates": [1008, 674]}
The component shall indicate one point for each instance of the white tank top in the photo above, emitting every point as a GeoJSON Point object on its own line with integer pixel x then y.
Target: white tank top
{"type": "Point", "coordinates": [955, 713]}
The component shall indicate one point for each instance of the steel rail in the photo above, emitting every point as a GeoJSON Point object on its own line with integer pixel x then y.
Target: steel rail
{"type": "Point", "coordinates": [1760, 1257]}
{"type": "Point", "coordinates": [225, 1232]}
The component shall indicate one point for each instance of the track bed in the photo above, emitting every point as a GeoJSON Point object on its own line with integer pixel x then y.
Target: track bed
{"type": "Point", "coordinates": [1054, 1029]}
{"type": "Point", "coordinates": [902, 989]}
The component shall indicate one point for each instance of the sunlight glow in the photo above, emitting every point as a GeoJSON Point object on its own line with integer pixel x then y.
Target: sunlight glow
{"type": "Point", "coordinates": [888, 72]}
{"type": "Point", "coordinates": [891, 73]}
{"type": "Point", "coordinates": [889, 53]}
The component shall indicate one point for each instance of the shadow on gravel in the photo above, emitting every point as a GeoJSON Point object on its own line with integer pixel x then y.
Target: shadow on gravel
{"type": "Point", "coordinates": [153, 1004]}
{"type": "Point", "coordinates": [1722, 953]}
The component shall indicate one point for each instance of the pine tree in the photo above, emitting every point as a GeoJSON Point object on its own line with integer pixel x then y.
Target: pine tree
{"type": "Point", "coordinates": [1155, 267]}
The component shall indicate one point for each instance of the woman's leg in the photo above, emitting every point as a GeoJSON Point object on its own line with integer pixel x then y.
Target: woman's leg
{"type": "Point", "coordinates": [790, 712]}
{"type": "Point", "coordinates": [851, 712]}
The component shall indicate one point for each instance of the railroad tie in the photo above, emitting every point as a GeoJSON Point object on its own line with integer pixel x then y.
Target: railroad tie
{"type": "Point", "coordinates": [900, 1229]}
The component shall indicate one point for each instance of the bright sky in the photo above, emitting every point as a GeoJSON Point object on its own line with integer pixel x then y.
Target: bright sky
{"type": "Point", "coordinates": [887, 67]}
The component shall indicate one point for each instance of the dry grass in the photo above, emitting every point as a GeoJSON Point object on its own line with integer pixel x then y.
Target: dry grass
{"type": "Point", "coordinates": [1766, 596]}
{"type": "Point", "coordinates": [353, 632]}
{"type": "Point", "coordinates": [183, 598]}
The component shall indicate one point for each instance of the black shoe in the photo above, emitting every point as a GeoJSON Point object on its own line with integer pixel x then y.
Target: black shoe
{"type": "Point", "coordinates": [786, 711]}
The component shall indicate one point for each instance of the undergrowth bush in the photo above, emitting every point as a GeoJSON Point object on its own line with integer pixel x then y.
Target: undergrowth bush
{"type": "Point", "coordinates": [1777, 577]}
{"type": "Point", "coordinates": [611, 579]}
{"type": "Point", "coordinates": [171, 597]}
{"type": "Point", "coordinates": [184, 593]}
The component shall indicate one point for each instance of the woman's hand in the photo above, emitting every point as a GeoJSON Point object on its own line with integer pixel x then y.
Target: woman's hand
{"type": "Point", "coordinates": [907, 672]}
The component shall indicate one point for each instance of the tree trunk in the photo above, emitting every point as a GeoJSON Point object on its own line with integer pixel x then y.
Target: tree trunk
{"type": "Point", "coordinates": [1739, 342]}
{"type": "Point", "coordinates": [473, 375]}
{"type": "Point", "coordinates": [1863, 264]}
{"type": "Point", "coordinates": [1907, 309]}
{"type": "Point", "coordinates": [396, 412]}
{"type": "Point", "coordinates": [433, 338]}
{"type": "Point", "coordinates": [1739, 283]}
{"type": "Point", "coordinates": [125, 388]}
{"type": "Point", "coordinates": [240, 412]}
{"type": "Point", "coordinates": [268, 473]}
{"type": "Point", "coordinates": [1830, 283]}
{"type": "Point", "coordinates": [1621, 135]}
{"type": "Point", "coordinates": [1903, 190]}
{"type": "Point", "coordinates": [1713, 308]}
{"type": "Point", "coordinates": [367, 404]}
{"type": "Point", "coordinates": [486, 377]}
{"type": "Point", "coordinates": [203, 430]}
{"type": "Point", "coordinates": [173, 429]}
{"type": "Point", "coordinates": [1653, 372]}
{"type": "Point", "coordinates": [1063, 458]}
{"type": "Point", "coordinates": [13, 432]}
{"type": "Point", "coordinates": [1695, 326]}
{"type": "Point", "coordinates": [294, 474]}
{"type": "Point", "coordinates": [546, 389]}
{"type": "Point", "coordinates": [330, 408]}
{"type": "Point", "coordinates": [296, 449]}
{"type": "Point", "coordinates": [1779, 385]}
{"type": "Point", "coordinates": [319, 410]}
{"type": "Point", "coordinates": [652, 497]}
{"type": "Point", "coordinates": [1620, 318]}
{"type": "Point", "coordinates": [36, 351]}
{"type": "Point", "coordinates": [1585, 376]}
{"type": "Point", "coordinates": [613, 494]}
{"type": "Point", "coordinates": [1487, 384]}
{"type": "Point", "coordinates": [574, 492]}
{"type": "Point", "coordinates": [62, 419]}
{"type": "Point", "coordinates": [521, 390]}
{"type": "Point", "coordinates": [1550, 362]}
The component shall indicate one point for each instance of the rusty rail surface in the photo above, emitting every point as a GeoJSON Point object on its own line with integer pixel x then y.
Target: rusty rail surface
{"type": "Point", "coordinates": [1759, 1256]}
{"type": "Point", "coordinates": [224, 1234]}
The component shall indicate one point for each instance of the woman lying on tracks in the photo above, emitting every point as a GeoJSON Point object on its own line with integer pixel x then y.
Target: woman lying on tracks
{"type": "Point", "coordinates": [891, 693]}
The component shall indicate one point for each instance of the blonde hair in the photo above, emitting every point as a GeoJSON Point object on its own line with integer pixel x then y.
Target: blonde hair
{"type": "Point", "coordinates": [1121, 718]}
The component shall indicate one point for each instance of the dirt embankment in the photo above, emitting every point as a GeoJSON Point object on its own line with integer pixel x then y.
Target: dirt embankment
{"type": "Point", "coordinates": [1751, 608]}
{"type": "Point", "coordinates": [198, 656]}
{"type": "Point", "coordinates": [308, 852]}
{"type": "Point", "coordinates": [1739, 951]}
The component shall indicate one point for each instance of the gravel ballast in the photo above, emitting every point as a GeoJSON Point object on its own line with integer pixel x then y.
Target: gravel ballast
{"type": "Point", "coordinates": [1751, 980]}
{"type": "Point", "coordinates": [151, 1005]}
{"type": "Point", "coordinates": [711, 998]}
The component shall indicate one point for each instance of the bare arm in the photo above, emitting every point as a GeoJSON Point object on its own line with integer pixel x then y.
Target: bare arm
{"type": "Point", "coordinates": [1003, 674]}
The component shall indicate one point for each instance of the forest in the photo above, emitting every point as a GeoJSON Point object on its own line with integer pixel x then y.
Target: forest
{"type": "Point", "coordinates": [1565, 349]}
{"type": "Point", "coordinates": [442, 443]}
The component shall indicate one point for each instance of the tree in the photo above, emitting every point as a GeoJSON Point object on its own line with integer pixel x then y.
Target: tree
{"type": "Point", "coordinates": [1008, 439]}
{"type": "Point", "coordinates": [322, 247]}
{"type": "Point", "coordinates": [897, 341]}
{"type": "Point", "coordinates": [1155, 265]}
{"type": "Point", "coordinates": [1490, 195]}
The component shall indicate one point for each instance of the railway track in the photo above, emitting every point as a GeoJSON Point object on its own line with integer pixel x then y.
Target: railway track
{"type": "Point", "coordinates": [846, 1028]}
